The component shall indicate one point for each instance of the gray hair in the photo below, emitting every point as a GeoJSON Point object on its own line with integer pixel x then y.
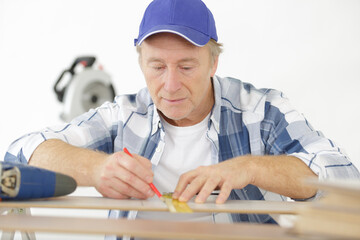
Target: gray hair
{"type": "Point", "coordinates": [215, 49]}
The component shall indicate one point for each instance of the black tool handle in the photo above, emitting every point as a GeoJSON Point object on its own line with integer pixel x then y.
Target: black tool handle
{"type": "Point", "coordinates": [87, 61]}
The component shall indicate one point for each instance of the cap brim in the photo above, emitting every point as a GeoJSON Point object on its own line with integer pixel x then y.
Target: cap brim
{"type": "Point", "coordinates": [195, 37]}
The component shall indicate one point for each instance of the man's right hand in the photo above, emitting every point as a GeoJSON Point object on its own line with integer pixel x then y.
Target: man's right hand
{"type": "Point", "coordinates": [122, 176]}
{"type": "Point", "coordinates": [115, 176]}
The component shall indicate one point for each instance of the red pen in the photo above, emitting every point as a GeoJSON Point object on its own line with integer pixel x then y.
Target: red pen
{"type": "Point", "coordinates": [151, 184]}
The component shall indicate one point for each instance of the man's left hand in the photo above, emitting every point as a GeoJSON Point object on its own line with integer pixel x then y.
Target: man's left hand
{"type": "Point", "coordinates": [227, 175]}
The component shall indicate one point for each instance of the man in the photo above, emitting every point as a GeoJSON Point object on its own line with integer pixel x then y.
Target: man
{"type": "Point", "coordinates": [189, 131]}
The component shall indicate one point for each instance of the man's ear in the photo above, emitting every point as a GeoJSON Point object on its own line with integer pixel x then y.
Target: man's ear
{"type": "Point", "coordinates": [214, 66]}
{"type": "Point", "coordinates": [138, 50]}
{"type": "Point", "coordinates": [140, 65]}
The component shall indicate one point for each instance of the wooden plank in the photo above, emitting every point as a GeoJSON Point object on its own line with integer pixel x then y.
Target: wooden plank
{"type": "Point", "coordinates": [350, 187]}
{"type": "Point", "coordinates": [144, 228]}
{"type": "Point", "coordinates": [231, 206]}
{"type": "Point", "coordinates": [249, 206]}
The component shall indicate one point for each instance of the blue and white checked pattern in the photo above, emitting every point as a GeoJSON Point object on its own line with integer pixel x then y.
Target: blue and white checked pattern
{"type": "Point", "coordinates": [244, 120]}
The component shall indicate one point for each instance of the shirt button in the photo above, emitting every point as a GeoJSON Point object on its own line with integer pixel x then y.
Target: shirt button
{"type": "Point", "coordinates": [158, 149]}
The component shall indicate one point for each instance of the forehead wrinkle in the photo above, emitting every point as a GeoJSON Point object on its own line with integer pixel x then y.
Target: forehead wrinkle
{"type": "Point", "coordinates": [183, 60]}
{"type": "Point", "coordinates": [194, 60]}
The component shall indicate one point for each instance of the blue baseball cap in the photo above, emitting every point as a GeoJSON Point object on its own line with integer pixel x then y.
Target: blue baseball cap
{"type": "Point", "coordinates": [190, 19]}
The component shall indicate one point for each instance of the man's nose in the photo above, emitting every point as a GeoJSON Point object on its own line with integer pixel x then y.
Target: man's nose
{"type": "Point", "coordinates": [172, 81]}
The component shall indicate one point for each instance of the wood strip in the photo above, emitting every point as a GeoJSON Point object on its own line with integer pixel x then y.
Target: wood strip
{"type": "Point", "coordinates": [349, 187]}
{"type": "Point", "coordinates": [249, 206]}
{"type": "Point", "coordinates": [231, 206]}
{"type": "Point", "coordinates": [144, 228]}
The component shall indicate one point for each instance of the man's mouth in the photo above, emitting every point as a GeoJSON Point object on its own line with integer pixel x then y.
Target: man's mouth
{"type": "Point", "coordinates": [177, 100]}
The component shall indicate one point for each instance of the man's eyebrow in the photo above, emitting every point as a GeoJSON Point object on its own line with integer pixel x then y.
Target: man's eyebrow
{"type": "Point", "coordinates": [153, 59]}
{"type": "Point", "coordinates": [194, 60]}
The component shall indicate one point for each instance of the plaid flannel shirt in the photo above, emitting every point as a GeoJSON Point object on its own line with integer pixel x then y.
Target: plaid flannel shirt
{"type": "Point", "coordinates": [243, 121]}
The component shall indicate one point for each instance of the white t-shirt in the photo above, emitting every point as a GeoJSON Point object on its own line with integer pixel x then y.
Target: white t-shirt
{"type": "Point", "coordinates": [186, 148]}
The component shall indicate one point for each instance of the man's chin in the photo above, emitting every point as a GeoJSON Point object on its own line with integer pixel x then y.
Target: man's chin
{"type": "Point", "coordinates": [172, 117]}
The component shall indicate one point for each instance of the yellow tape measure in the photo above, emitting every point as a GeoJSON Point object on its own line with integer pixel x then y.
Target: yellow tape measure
{"type": "Point", "coordinates": [174, 205]}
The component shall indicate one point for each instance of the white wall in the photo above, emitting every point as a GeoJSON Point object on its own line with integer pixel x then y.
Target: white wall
{"type": "Point", "coordinates": [308, 49]}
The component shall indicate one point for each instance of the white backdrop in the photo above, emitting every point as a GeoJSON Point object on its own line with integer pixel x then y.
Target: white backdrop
{"type": "Point", "coordinates": [310, 50]}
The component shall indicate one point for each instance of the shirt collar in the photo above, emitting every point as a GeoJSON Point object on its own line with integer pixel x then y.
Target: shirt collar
{"type": "Point", "coordinates": [214, 116]}
{"type": "Point", "coordinates": [156, 123]}
{"type": "Point", "coordinates": [215, 112]}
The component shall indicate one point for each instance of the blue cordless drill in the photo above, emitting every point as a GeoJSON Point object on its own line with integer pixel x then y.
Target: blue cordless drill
{"type": "Point", "coordinates": [21, 181]}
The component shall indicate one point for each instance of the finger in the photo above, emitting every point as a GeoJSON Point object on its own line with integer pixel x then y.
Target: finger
{"type": "Point", "coordinates": [105, 189]}
{"type": "Point", "coordinates": [146, 163]}
{"type": "Point", "coordinates": [115, 188]}
{"type": "Point", "coordinates": [133, 165]}
{"type": "Point", "coordinates": [111, 193]}
{"type": "Point", "coordinates": [127, 190]}
{"type": "Point", "coordinates": [192, 189]}
{"type": "Point", "coordinates": [224, 194]}
{"type": "Point", "coordinates": [206, 190]}
{"type": "Point", "coordinates": [183, 182]}
{"type": "Point", "coordinates": [122, 174]}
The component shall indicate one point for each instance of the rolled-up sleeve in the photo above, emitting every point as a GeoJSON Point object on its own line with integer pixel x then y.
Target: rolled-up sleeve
{"type": "Point", "coordinates": [95, 129]}
{"type": "Point", "coordinates": [286, 131]}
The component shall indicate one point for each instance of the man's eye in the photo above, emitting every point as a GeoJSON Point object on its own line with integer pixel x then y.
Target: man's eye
{"type": "Point", "coordinates": [186, 68]}
{"type": "Point", "coordinates": [158, 67]}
